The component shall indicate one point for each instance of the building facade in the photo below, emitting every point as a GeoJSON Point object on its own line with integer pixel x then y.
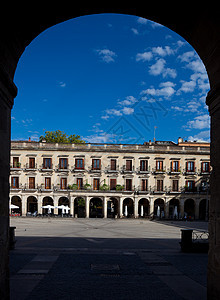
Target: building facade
{"type": "Point", "coordinates": [164, 179]}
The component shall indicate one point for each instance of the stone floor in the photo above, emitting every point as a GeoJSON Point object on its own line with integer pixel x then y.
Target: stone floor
{"type": "Point", "coordinates": [104, 259]}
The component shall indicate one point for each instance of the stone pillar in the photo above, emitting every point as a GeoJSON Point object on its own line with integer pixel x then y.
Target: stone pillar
{"type": "Point", "coordinates": [87, 203]}
{"type": "Point", "coordinates": [181, 208]}
{"type": "Point", "coordinates": [136, 208]}
{"type": "Point", "coordinates": [151, 203]}
{"type": "Point", "coordinates": [7, 93]}
{"type": "Point", "coordinates": [55, 203]}
{"type": "Point", "coordinates": [121, 207]}
{"type": "Point", "coordinates": [39, 205]}
{"type": "Point", "coordinates": [166, 208]}
{"type": "Point", "coordinates": [213, 286]}
{"type": "Point", "coordinates": [72, 205]}
{"type": "Point", "coordinates": [24, 206]}
{"type": "Point", "coordinates": [196, 208]}
{"type": "Point", "coordinates": [104, 207]}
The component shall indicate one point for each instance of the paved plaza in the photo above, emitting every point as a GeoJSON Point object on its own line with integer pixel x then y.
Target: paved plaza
{"type": "Point", "coordinates": [67, 258]}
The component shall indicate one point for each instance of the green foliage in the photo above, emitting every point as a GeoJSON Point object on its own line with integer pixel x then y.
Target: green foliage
{"type": "Point", "coordinates": [73, 186]}
{"type": "Point", "coordinates": [87, 186]}
{"type": "Point", "coordinates": [104, 187]}
{"type": "Point", "coordinates": [59, 136]}
{"type": "Point", "coordinates": [119, 187]}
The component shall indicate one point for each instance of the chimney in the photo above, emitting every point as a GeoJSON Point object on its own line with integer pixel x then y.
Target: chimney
{"type": "Point", "coordinates": [180, 140]}
{"type": "Point", "coordinates": [29, 140]}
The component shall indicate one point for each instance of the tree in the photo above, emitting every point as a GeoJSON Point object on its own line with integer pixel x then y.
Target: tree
{"type": "Point", "coordinates": [59, 136]}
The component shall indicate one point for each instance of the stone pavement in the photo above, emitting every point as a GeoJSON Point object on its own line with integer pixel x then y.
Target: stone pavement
{"type": "Point", "coordinates": [104, 259]}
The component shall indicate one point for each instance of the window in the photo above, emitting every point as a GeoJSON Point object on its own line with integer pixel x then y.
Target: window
{"type": "Point", "coordinates": [63, 183]}
{"type": "Point", "coordinates": [128, 185]}
{"type": "Point", "coordinates": [31, 182]}
{"type": "Point", "coordinates": [95, 184]}
{"type": "Point", "coordinates": [159, 165]}
{"type": "Point", "coordinates": [190, 166]}
{"type": "Point", "coordinates": [79, 182]}
{"type": "Point", "coordinates": [175, 166]}
{"type": "Point", "coordinates": [159, 185]}
{"type": "Point", "coordinates": [47, 183]}
{"type": "Point", "coordinates": [128, 165]}
{"type": "Point", "coordinates": [205, 166]}
{"type": "Point", "coordinates": [144, 184]}
{"type": "Point", "coordinates": [143, 165]}
{"type": "Point", "coordinates": [15, 182]}
{"type": "Point", "coordinates": [175, 185]}
{"type": "Point", "coordinates": [79, 163]}
{"type": "Point", "coordinates": [112, 184]}
{"type": "Point", "coordinates": [31, 162]}
{"type": "Point", "coordinates": [63, 162]}
{"type": "Point", "coordinates": [16, 163]}
{"type": "Point", "coordinates": [47, 163]}
{"type": "Point", "coordinates": [190, 185]}
{"type": "Point", "coordinates": [113, 164]}
{"type": "Point", "coordinates": [96, 164]}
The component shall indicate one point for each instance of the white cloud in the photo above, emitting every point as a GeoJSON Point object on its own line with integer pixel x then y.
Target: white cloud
{"type": "Point", "coordinates": [135, 31]}
{"type": "Point", "coordinates": [199, 122]}
{"type": "Point", "coordinates": [145, 56]}
{"type": "Point", "coordinates": [102, 137]}
{"type": "Point", "coordinates": [142, 21]}
{"type": "Point", "coordinates": [62, 84]}
{"type": "Point", "coordinates": [128, 110]}
{"type": "Point", "coordinates": [159, 69]}
{"type": "Point", "coordinates": [107, 55]}
{"type": "Point", "coordinates": [166, 90]}
{"type": "Point", "coordinates": [187, 86]}
{"type": "Point", "coordinates": [163, 51]}
{"type": "Point", "coordinates": [129, 100]}
{"type": "Point", "coordinates": [202, 136]}
{"type": "Point", "coordinates": [113, 112]}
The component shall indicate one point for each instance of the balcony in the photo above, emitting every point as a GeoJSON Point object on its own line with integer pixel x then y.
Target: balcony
{"type": "Point", "coordinates": [15, 166]}
{"type": "Point", "coordinates": [93, 169]}
{"type": "Point", "coordinates": [30, 188]}
{"type": "Point", "coordinates": [126, 170]}
{"type": "Point", "coordinates": [46, 188]}
{"type": "Point", "coordinates": [75, 169]}
{"type": "Point", "coordinates": [173, 171]}
{"type": "Point", "coordinates": [18, 187]}
{"type": "Point", "coordinates": [141, 170]}
{"type": "Point", "coordinates": [189, 171]}
{"type": "Point", "coordinates": [45, 168]}
{"type": "Point", "coordinates": [204, 172]}
{"type": "Point", "coordinates": [29, 167]}
{"type": "Point", "coordinates": [60, 168]}
{"type": "Point", "coordinates": [159, 171]}
{"type": "Point", "coordinates": [108, 169]}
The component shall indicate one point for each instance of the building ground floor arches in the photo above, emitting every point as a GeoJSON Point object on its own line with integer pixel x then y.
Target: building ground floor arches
{"type": "Point", "coordinates": [114, 205]}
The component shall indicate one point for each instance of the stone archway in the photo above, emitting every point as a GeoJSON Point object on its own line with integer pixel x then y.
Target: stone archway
{"type": "Point", "coordinates": [32, 204]}
{"type": "Point", "coordinates": [16, 200]}
{"type": "Point", "coordinates": [143, 208]}
{"type": "Point", "coordinates": [96, 208]}
{"type": "Point", "coordinates": [202, 31]}
{"type": "Point", "coordinates": [112, 207]}
{"type": "Point", "coordinates": [128, 207]}
{"type": "Point", "coordinates": [79, 207]}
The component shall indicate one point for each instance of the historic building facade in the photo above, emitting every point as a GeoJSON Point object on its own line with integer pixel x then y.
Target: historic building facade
{"type": "Point", "coordinates": [161, 178]}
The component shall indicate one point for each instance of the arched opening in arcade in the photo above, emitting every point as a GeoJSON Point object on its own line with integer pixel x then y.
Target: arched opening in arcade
{"type": "Point", "coordinates": [48, 206]}
{"type": "Point", "coordinates": [16, 207]}
{"type": "Point", "coordinates": [128, 208]}
{"type": "Point", "coordinates": [159, 208]}
{"type": "Point", "coordinates": [112, 207]}
{"type": "Point", "coordinates": [174, 209]}
{"type": "Point", "coordinates": [63, 206]}
{"type": "Point", "coordinates": [189, 209]}
{"type": "Point", "coordinates": [32, 205]}
{"type": "Point", "coordinates": [96, 208]}
{"type": "Point", "coordinates": [143, 208]}
{"type": "Point", "coordinates": [79, 207]}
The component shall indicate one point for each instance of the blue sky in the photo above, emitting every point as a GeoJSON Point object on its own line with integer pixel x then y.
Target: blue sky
{"type": "Point", "coordinates": [111, 78]}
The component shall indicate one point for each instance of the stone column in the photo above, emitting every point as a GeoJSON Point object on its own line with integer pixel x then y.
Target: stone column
{"type": "Point", "coordinates": [166, 207]}
{"type": "Point", "coordinates": [55, 203]}
{"type": "Point", "coordinates": [151, 203]}
{"type": "Point", "coordinates": [136, 207]}
{"type": "Point", "coordinates": [196, 208]}
{"type": "Point", "coordinates": [71, 199]}
{"type": "Point", "coordinates": [24, 205]}
{"type": "Point", "coordinates": [104, 207]}
{"type": "Point", "coordinates": [121, 207]}
{"type": "Point", "coordinates": [181, 208]}
{"type": "Point", "coordinates": [213, 286]}
{"type": "Point", "coordinates": [7, 93]}
{"type": "Point", "coordinates": [39, 205]}
{"type": "Point", "coordinates": [87, 203]}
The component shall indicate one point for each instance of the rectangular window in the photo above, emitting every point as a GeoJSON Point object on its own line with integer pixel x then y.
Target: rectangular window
{"type": "Point", "coordinates": [144, 184]}
{"type": "Point", "coordinates": [63, 183]}
{"type": "Point", "coordinates": [143, 165]}
{"type": "Point", "coordinates": [63, 162]}
{"type": "Point", "coordinates": [175, 166]}
{"type": "Point", "coordinates": [79, 163]}
{"type": "Point", "coordinates": [129, 165]}
{"type": "Point", "coordinates": [31, 162]}
{"type": "Point", "coordinates": [128, 184]}
{"type": "Point", "coordinates": [159, 185]}
{"type": "Point", "coordinates": [47, 163]}
{"type": "Point", "coordinates": [159, 165]}
{"type": "Point", "coordinates": [47, 183]}
{"type": "Point", "coordinates": [96, 164]}
{"type": "Point", "coordinates": [15, 182]}
{"type": "Point", "coordinates": [113, 164]}
{"type": "Point", "coordinates": [95, 184]}
{"type": "Point", "coordinates": [190, 166]}
{"type": "Point", "coordinates": [206, 166]}
{"type": "Point", "coordinates": [31, 182]}
{"type": "Point", "coordinates": [16, 163]}
{"type": "Point", "coordinates": [190, 185]}
{"type": "Point", "coordinates": [112, 184]}
{"type": "Point", "coordinates": [175, 185]}
{"type": "Point", "coordinates": [79, 182]}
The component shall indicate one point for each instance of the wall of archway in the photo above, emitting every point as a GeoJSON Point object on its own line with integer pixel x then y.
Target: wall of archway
{"type": "Point", "coordinates": [201, 28]}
